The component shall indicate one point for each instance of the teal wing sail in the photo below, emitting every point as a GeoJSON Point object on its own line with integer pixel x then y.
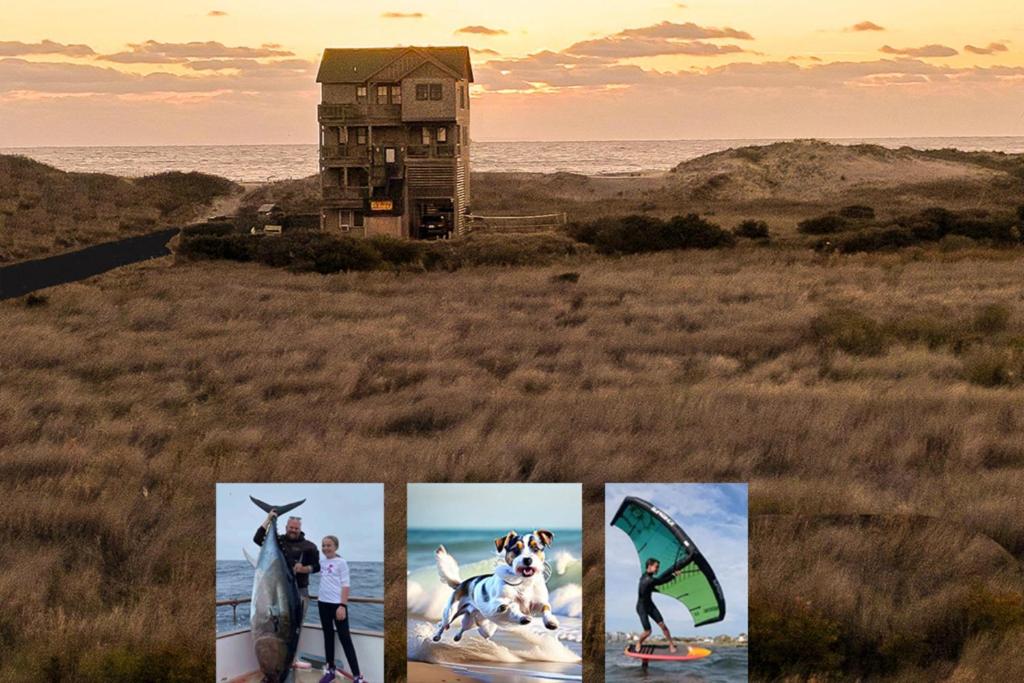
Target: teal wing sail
{"type": "Point", "coordinates": [655, 534]}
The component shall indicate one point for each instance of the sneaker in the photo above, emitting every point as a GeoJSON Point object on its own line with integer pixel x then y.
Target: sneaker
{"type": "Point", "coordinates": [328, 676]}
{"type": "Point", "coordinates": [359, 679]}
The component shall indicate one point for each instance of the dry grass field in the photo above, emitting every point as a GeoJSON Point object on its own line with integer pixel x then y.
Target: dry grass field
{"type": "Point", "coordinates": [875, 403]}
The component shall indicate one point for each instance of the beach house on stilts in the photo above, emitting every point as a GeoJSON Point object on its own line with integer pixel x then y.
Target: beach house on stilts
{"type": "Point", "coordinates": [394, 141]}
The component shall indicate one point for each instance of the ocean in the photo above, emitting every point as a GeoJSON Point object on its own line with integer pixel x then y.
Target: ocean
{"type": "Point", "coordinates": [260, 163]}
{"type": "Point", "coordinates": [234, 580]}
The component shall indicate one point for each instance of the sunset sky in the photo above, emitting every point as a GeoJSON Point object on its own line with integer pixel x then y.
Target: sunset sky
{"type": "Point", "coordinates": [114, 72]}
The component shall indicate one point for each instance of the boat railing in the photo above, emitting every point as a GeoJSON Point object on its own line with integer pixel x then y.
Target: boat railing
{"type": "Point", "coordinates": [235, 602]}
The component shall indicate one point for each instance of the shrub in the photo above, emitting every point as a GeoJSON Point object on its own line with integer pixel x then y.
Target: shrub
{"type": "Point", "coordinates": [983, 226]}
{"type": "Point", "coordinates": [752, 230]}
{"type": "Point", "coordinates": [216, 228]}
{"type": "Point", "coordinates": [874, 239]}
{"type": "Point", "coordinates": [823, 225]}
{"type": "Point", "coordinates": [929, 224]}
{"type": "Point", "coordinates": [849, 330]}
{"type": "Point", "coordinates": [36, 300]}
{"type": "Point", "coordinates": [858, 213]}
{"type": "Point", "coordinates": [637, 234]}
{"type": "Point", "coordinates": [229, 247]}
{"type": "Point", "coordinates": [342, 254]}
{"type": "Point", "coordinates": [397, 252]}
{"type": "Point", "coordinates": [693, 232]}
{"type": "Point", "coordinates": [503, 250]}
{"type": "Point", "coordinates": [992, 319]}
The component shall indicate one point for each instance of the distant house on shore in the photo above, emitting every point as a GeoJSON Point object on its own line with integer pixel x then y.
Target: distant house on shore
{"type": "Point", "coordinates": [394, 140]}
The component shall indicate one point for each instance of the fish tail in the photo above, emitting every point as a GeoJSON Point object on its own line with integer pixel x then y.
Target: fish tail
{"type": "Point", "coordinates": [280, 509]}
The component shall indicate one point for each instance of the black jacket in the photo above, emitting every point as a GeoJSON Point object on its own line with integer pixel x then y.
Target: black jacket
{"type": "Point", "coordinates": [300, 550]}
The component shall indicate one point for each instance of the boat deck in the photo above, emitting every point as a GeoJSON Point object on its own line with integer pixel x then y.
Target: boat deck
{"type": "Point", "coordinates": [301, 676]}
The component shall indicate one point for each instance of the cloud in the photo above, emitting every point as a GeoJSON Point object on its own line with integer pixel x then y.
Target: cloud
{"type": "Point", "coordinates": [216, 13]}
{"type": "Point", "coordinates": [625, 48]}
{"type": "Point", "coordinates": [549, 70]}
{"type": "Point", "coordinates": [16, 48]}
{"type": "Point", "coordinates": [666, 38]}
{"type": "Point", "coordinates": [990, 50]}
{"type": "Point", "coordinates": [925, 51]}
{"type": "Point", "coordinates": [20, 75]}
{"type": "Point", "coordinates": [141, 58]}
{"type": "Point", "coordinates": [484, 51]}
{"type": "Point", "coordinates": [402, 15]}
{"type": "Point", "coordinates": [153, 52]}
{"type": "Point", "coordinates": [687, 31]}
{"type": "Point", "coordinates": [482, 31]}
{"type": "Point", "coordinates": [866, 26]}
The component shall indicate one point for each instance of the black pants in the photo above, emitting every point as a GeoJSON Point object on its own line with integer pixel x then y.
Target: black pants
{"type": "Point", "coordinates": [328, 622]}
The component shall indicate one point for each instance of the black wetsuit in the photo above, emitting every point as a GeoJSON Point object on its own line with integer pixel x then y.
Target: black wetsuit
{"type": "Point", "coordinates": [644, 604]}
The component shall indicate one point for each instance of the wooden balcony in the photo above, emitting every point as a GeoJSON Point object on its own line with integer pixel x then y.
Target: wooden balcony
{"type": "Point", "coordinates": [344, 154]}
{"type": "Point", "coordinates": [441, 151]}
{"type": "Point", "coordinates": [335, 193]}
{"type": "Point", "coordinates": [360, 113]}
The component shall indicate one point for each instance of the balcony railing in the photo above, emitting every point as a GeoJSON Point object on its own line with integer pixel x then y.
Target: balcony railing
{"type": "Point", "coordinates": [233, 603]}
{"type": "Point", "coordinates": [342, 111]}
{"type": "Point", "coordinates": [360, 111]}
{"type": "Point", "coordinates": [335, 192]}
{"type": "Point", "coordinates": [343, 153]}
{"type": "Point", "coordinates": [441, 151]}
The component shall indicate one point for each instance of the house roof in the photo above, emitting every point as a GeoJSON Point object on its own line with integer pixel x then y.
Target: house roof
{"type": "Point", "coordinates": [356, 65]}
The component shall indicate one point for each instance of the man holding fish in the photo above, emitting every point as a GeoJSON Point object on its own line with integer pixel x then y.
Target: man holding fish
{"type": "Point", "coordinates": [303, 556]}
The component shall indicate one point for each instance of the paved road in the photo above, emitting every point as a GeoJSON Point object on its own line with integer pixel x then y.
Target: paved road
{"type": "Point", "coordinates": [28, 276]}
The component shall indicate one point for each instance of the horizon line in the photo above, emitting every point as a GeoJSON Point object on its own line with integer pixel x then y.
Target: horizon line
{"type": "Point", "coordinates": [576, 141]}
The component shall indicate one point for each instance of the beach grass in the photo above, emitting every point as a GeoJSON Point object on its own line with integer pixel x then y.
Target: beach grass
{"type": "Point", "coordinates": [886, 384]}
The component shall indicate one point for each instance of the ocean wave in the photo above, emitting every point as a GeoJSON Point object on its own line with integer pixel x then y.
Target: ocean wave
{"type": "Point", "coordinates": [520, 645]}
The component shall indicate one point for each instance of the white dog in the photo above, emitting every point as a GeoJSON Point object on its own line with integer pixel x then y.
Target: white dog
{"type": "Point", "coordinates": [513, 593]}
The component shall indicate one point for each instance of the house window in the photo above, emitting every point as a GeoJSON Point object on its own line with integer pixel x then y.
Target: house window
{"type": "Point", "coordinates": [382, 94]}
{"type": "Point", "coordinates": [360, 136]}
{"type": "Point", "coordinates": [422, 92]}
{"type": "Point", "coordinates": [389, 155]}
{"type": "Point", "coordinates": [343, 220]}
{"type": "Point", "coordinates": [396, 94]}
{"type": "Point", "coordinates": [465, 136]}
{"type": "Point", "coordinates": [435, 91]}
{"type": "Point", "coordinates": [426, 136]}
{"type": "Point", "coordinates": [357, 219]}
{"type": "Point", "coordinates": [462, 96]}
{"type": "Point", "coordinates": [442, 134]}
{"type": "Point", "coordinates": [361, 93]}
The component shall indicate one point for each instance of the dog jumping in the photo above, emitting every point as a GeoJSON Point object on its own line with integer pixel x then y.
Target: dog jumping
{"type": "Point", "coordinates": [514, 593]}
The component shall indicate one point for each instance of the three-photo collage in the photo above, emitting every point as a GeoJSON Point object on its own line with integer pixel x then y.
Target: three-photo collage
{"type": "Point", "coordinates": [498, 583]}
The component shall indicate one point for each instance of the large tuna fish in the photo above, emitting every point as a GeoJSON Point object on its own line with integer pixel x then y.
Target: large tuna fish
{"type": "Point", "coordinates": [276, 606]}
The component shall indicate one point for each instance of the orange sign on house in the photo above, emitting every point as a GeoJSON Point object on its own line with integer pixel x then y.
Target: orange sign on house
{"type": "Point", "coordinates": [382, 205]}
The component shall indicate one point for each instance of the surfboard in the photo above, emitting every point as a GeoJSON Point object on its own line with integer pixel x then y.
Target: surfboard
{"type": "Point", "coordinates": [660, 653]}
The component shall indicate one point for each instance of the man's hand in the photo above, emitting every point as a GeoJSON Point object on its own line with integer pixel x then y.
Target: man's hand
{"type": "Point", "coordinates": [677, 572]}
{"type": "Point", "coordinates": [299, 568]}
{"type": "Point", "coordinates": [341, 613]}
{"type": "Point", "coordinates": [271, 516]}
